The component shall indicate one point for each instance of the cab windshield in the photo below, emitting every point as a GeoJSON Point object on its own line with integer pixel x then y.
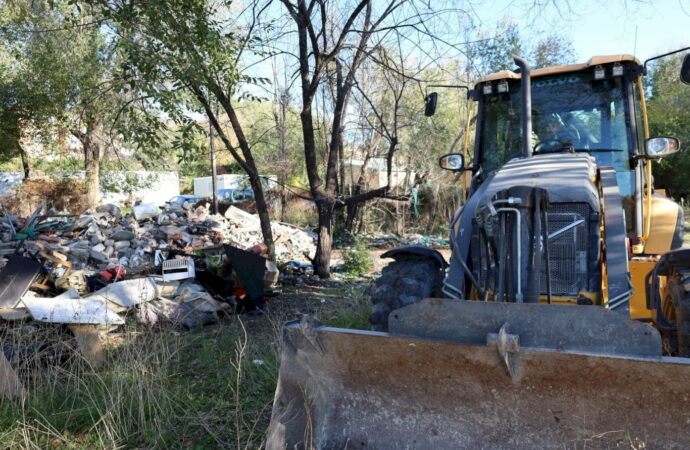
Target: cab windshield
{"type": "Point", "coordinates": [570, 112]}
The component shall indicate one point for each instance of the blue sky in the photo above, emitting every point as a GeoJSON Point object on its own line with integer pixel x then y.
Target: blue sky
{"type": "Point", "coordinates": [599, 27]}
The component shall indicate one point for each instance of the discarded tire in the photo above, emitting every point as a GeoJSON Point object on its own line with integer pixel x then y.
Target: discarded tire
{"type": "Point", "coordinates": [401, 283]}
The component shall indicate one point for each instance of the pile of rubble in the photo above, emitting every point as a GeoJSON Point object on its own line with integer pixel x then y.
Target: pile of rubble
{"type": "Point", "coordinates": [180, 266]}
{"type": "Point", "coordinates": [105, 237]}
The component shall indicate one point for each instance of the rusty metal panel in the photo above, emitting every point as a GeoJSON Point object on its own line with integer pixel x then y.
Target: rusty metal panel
{"type": "Point", "coordinates": [578, 328]}
{"type": "Point", "coordinates": [349, 389]}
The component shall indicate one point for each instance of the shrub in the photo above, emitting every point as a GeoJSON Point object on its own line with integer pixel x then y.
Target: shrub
{"type": "Point", "coordinates": [356, 259]}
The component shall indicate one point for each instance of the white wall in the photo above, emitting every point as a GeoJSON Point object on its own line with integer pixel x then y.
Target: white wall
{"type": "Point", "coordinates": [149, 187]}
{"type": "Point", "coordinates": [119, 186]}
{"type": "Point", "coordinates": [203, 186]}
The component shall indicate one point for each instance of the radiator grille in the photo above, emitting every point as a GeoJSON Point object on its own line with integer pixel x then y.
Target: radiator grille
{"type": "Point", "coordinates": [568, 258]}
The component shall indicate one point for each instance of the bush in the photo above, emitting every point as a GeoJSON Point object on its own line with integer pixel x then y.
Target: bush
{"type": "Point", "coordinates": [357, 260]}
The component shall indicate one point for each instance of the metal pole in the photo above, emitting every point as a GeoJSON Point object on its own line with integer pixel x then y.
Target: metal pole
{"type": "Point", "coordinates": [526, 89]}
{"type": "Point", "coordinates": [213, 168]}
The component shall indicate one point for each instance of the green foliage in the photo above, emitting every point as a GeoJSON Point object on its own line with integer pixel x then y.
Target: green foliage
{"type": "Point", "coordinates": [60, 78]}
{"type": "Point", "coordinates": [357, 259]}
{"type": "Point", "coordinates": [669, 115]}
{"type": "Point", "coordinates": [356, 317]}
{"type": "Point", "coordinates": [494, 50]}
{"type": "Point", "coordinates": [552, 50]}
{"type": "Point", "coordinates": [233, 168]}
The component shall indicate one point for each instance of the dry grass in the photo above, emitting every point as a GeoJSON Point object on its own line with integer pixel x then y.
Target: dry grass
{"type": "Point", "coordinates": [63, 194]}
{"type": "Point", "coordinates": [157, 389]}
{"type": "Point", "coordinates": [211, 387]}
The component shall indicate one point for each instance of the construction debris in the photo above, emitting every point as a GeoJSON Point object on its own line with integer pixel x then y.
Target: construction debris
{"type": "Point", "coordinates": [15, 279]}
{"type": "Point", "coordinates": [72, 311]}
{"type": "Point", "coordinates": [181, 267]}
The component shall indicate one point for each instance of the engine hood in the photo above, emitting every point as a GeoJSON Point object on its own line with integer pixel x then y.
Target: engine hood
{"type": "Point", "coordinates": [568, 177]}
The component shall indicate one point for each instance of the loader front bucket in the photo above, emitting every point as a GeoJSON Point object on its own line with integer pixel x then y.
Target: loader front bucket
{"type": "Point", "coordinates": [353, 389]}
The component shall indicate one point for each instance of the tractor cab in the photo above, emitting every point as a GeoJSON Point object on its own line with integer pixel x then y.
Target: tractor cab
{"type": "Point", "coordinates": [596, 108]}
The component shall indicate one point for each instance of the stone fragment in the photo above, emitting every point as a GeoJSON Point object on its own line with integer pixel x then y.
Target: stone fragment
{"type": "Point", "coordinates": [122, 235]}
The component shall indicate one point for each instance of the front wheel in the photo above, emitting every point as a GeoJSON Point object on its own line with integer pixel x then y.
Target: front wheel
{"type": "Point", "coordinates": [403, 282]}
{"type": "Point", "coordinates": [678, 299]}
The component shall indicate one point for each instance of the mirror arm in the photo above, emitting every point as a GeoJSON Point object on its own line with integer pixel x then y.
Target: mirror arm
{"type": "Point", "coordinates": [451, 86]}
{"type": "Point", "coordinates": [644, 71]}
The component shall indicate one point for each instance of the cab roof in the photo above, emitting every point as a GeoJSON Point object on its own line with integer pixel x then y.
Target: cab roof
{"type": "Point", "coordinates": [593, 61]}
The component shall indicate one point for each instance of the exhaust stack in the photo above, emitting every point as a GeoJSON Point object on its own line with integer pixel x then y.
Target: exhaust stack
{"type": "Point", "coordinates": [526, 89]}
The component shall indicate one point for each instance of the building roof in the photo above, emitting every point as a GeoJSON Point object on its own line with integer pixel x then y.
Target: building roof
{"type": "Point", "coordinates": [593, 61]}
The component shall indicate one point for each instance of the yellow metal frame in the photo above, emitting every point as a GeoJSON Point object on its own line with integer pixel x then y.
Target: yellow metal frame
{"type": "Point", "coordinates": [639, 268]}
{"type": "Point", "coordinates": [647, 210]}
{"type": "Point", "coordinates": [466, 144]}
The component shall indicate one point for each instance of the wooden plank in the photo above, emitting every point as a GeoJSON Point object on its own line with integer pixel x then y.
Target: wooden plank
{"type": "Point", "coordinates": [90, 345]}
{"type": "Point", "coordinates": [11, 386]}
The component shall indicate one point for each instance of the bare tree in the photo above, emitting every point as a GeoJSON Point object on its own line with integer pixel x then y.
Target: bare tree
{"type": "Point", "coordinates": [334, 39]}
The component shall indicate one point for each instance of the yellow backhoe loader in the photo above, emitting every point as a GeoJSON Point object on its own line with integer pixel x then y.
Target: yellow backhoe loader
{"type": "Point", "coordinates": [563, 317]}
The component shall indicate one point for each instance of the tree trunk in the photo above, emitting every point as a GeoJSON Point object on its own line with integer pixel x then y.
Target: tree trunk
{"type": "Point", "coordinates": [322, 260]}
{"type": "Point", "coordinates": [248, 164]}
{"type": "Point", "coordinates": [280, 117]}
{"type": "Point", "coordinates": [25, 160]}
{"type": "Point", "coordinates": [92, 156]}
{"type": "Point", "coordinates": [262, 210]}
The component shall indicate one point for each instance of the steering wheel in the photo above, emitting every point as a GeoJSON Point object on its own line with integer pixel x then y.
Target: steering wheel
{"type": "Point", "coordinates": [550, 146]}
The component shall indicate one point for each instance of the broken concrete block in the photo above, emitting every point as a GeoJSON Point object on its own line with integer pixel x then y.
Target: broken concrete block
{"type": "Point", "coordinates": [169, 230]}
{"type": "Point", "coordinates": [82, 222]}
{"type": "Point", "coordinates": [92, 228]}
{"type": "Point", "coordinates": [122, 235]}
{"type": "Point", "coordinates": [121, 245]}
{"type": "Point", "coordinates": [241, 217]}
{"type": "Point", "coordinates": [79, 252]}
{"type": "Point", "coordinates": [109, 208]}
{"type": "Point", "coordinates": [146, 211]}
{"type": "Point", "coordinates": [98, 256]}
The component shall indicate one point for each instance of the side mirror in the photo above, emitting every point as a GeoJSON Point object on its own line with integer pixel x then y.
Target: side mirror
{"type": "Point", "coordinates": [685, 70]}
{"type": "Point", "coordinates": [454, 162]}
{"type": "Point", "coordinates": [657, 148]}
{"type": "Point", "coordinates": [430, 104]}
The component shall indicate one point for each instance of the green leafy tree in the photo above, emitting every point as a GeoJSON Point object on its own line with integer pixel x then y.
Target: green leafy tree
{"type": "Point", "coordinates": [185, 58]}
{"type": "Point", "coordinates": [668, 108]}
{"type": "Point", "coordinates": [64, 65]}
{"type": "Point", "coordinates": [492, 52]}
{"type": "Point", "coordinates": [552, 50]}
{"type": "Point", "coordinates": [28, 101]}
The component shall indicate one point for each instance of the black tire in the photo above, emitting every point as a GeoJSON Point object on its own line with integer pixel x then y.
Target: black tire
{"type": "Point", "coordinates": [403, 282]}
{"type": "Point", "coordinates": [678, 292]}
